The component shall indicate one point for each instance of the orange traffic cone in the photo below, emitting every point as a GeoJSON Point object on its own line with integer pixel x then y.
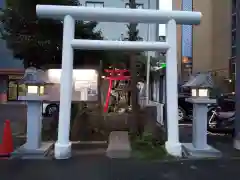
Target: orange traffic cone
{"type": "Point", "coordinates": [6, 148]}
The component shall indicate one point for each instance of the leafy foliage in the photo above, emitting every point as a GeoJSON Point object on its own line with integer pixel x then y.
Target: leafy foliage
{"type": "Point", "coordinates": [39, 41]}
{"type": "Point", "coordinates": [147, 147]}
{"type": "Point", "coordinates": [133, 33]}
{"type": "Point", "coordinates": [132, 27]}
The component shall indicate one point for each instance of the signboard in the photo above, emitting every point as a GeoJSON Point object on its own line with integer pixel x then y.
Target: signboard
{"type": "Point", "coordinates": [15, 77]}
{"type": "Point", "coordinates": [84, 87]}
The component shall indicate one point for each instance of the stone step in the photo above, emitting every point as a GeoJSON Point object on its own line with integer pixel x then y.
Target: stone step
{"type": "Point", "coordinates": [85, 148]}
{"type": "Point", "coordinates": [119, 145]}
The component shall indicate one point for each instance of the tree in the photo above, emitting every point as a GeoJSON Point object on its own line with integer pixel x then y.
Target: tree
{"type": "Point", "coordinates": [133, 32]}
{"type": "Point", "coordinates": [39, 41]}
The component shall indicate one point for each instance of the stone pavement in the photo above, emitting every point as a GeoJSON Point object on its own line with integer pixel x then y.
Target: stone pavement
{"type": "Point", "coordinates": [102, 168]}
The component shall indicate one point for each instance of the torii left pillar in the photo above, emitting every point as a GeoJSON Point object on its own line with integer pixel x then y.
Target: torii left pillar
{"type": "Point", "coordinates": [63, 145]}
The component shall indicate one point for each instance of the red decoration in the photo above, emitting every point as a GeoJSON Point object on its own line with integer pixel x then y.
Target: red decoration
{"type": "Point", "coordinates": [114, 75]}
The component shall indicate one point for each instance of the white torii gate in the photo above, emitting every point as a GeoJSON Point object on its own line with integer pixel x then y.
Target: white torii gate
{"type": "Point", "coordinates": [69, 14]}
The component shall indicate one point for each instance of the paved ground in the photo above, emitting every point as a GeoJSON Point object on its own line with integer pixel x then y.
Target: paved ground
{"type": "Point", "coordinates": [100, 168]}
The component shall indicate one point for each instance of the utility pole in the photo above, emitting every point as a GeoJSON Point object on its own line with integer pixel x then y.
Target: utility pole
{"type": "Point", "coordinates": [133, 68]}
{"type": "Point", "coordinates": [148, 61]}
{"type": "Point", "coordinates": [133, 26]}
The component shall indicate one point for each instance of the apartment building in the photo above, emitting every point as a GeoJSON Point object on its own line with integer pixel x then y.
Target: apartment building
{"type": "Point", "coordinates": [206, 47]}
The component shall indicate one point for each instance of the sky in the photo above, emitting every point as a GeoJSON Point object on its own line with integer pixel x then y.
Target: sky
{"type": "Point", "coordinates": [164, 5]}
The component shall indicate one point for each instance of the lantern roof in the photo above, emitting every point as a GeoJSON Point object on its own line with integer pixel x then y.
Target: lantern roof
{"type": "Point", "coordinates": [201, 80]}
{"type": "Point", "coordinates": [33, 76]}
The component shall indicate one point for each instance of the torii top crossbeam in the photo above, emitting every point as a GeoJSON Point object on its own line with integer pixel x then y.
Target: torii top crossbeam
{"type": "Point", "coordinates": [118, 14]}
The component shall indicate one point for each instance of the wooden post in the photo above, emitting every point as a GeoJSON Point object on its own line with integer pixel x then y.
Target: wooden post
{"type": "Point", "coordinates": [100, 86]}
{"type": "Point", "coordinates": [134, 92]}
{"type": "Point", "coordinates": [133, 70]}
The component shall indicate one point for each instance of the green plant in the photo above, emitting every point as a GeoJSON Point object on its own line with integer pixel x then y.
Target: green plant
{"type": "Point", "coordinates": [74, 110]}
{"type": "Point", "coordinates": [147, 147]}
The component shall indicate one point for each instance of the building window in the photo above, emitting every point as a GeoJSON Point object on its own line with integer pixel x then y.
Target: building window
{"type": "Point", "coordinates": [234, 51]}
{"type": "Point", "coordinates": [14, 88]}
{"type": "Point", "coordinates": [233, 68]}
{"type": "Point", "coordinates": [162, 38]}
{"type": "Point", "coordinates": [138, 6]}
{"type": "Point", "coordinates": [234, 21]}
{"type": "Point", "coordinates": [233, 38]}
{"type": "Point", "coordinates": [232, 60]}
{"type": "Point", "coordinates": [234, 4]}
{"type": "Point", "coordinates": [94, 4]}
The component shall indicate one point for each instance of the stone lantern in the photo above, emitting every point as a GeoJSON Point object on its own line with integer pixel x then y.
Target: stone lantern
{"type": "Point", "coordinates": [34, 80]}
{"type": "Point", "coordinates": [200, 86]}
